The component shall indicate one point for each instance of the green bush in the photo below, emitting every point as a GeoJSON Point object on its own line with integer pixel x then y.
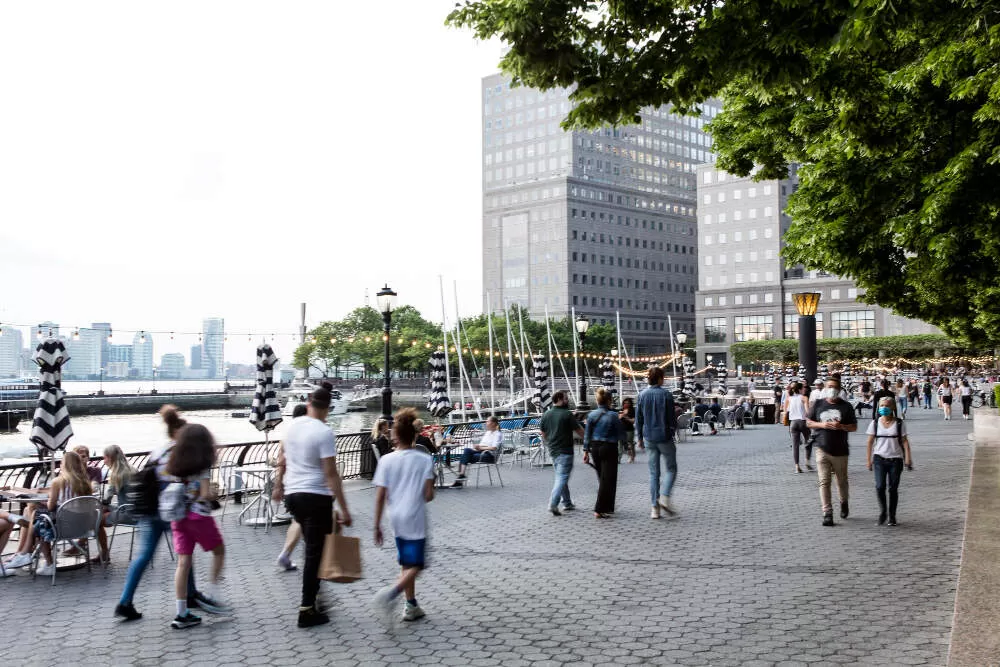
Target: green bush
{"type": "Point", "coordinates": [996, 395]}
{"type": "Point", "coordinates": [787, 350]}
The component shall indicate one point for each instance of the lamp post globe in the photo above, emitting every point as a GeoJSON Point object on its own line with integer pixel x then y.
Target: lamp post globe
{"type": "Point", "coordinates": [386, 299]}
{"type": "Point", "coordinates": [582, 326]}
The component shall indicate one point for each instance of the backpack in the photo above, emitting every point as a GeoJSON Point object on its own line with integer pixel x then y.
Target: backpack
{"type": "Point", "coordinates": [173, 502]}
{"type": "Point", "coordinates": [143, 491]}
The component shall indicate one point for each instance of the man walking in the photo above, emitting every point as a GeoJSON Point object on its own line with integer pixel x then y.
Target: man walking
{"type": "Point", "coordinates": [558, 426]}
{"type": "Point", "coordinates": [308, 481]}
{"type": "Point", "coordinates": [832, 418]}
{"type": "Point", "coordinates": [655, 425]}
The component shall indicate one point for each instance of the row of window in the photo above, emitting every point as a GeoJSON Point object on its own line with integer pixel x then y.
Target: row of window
{"type": "Point", "coordinates": [630, 202]}
{"type": "Point", "coordinates": [723, 218]}
{"type": "Point", "coordinates": [723, 258]}
{"type": "Point", "coordinates": [609, 302]}
{"type": "Point", "coordinates": [630, 263]}
{"type": "Point", "coordinates": [630, 242]}
{"type": "Point", "coordinates": [843, 324]}
{"type": "Point", "coordinates": [722, 300]}
{"type": "Point", "coordinates": [736, 194]}
{"type": "Point", "coordinates": [722, 238]}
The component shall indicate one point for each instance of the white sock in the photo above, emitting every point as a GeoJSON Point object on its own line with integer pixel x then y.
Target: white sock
{"type": "Point", "coordinates": [182, 608]}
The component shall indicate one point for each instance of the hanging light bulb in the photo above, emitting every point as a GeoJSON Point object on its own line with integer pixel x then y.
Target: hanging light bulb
{"type": "Point", "coordinates": [312, 339]}
{"type": "Point", "coordinates": [399, 342]}
{"type": "Point", "coordinates": [332, 340]}
{"type": "Point", "coordinates": [171, 335]}
{"type": "Point", "coordinates": [385, 338]}
{"type": "Point", "coordinates": [76, 334]}
{"type": "Point", "coordinates": [368, 339]}
{"type": "Point", "coordinates": [40, 334]}
{"type": "Point", "coordinates": [199, 337]}
{"type": "Point", "coordinates": [142, 337]}
{"type": "Point", "coordinates": [1, 328]}
{"type": "Point", "coordinates": [110, 336]}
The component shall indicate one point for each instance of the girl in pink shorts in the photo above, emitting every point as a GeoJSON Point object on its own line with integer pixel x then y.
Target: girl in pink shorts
{"type": "Point", "coordinates": [191, 460]}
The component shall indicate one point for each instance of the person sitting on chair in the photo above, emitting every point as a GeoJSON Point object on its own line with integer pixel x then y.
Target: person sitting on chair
{"type": "Point", "coordinates": [715, 409]}
{"type": "Point", "coordinates": [706, 415]}
{"type": "Point", "coordinates": [484, 452]}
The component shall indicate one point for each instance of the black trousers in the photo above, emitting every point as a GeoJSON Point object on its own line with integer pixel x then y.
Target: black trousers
{"type": "Point", "coordinates": [605, 457]}
{"type": "Point", "coordinates": [314, 512]}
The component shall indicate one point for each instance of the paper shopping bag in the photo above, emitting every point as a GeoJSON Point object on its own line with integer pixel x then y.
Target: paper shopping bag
{"type": "Point", "coordinates": [341, 562]}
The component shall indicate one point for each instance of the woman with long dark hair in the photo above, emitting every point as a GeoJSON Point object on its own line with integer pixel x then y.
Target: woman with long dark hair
{"type": "Point", "coordinates": [627, 417]}
{"type": "Point", "coordinates": [797, 405]}
{"type": "Point", "coordinates": [600, 442]}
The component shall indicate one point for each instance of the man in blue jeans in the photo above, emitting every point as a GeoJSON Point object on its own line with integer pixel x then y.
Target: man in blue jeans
{"type": "Point", "coordinates": [655, 425]}
{"type": "Point", "coordinates": [558, 426]}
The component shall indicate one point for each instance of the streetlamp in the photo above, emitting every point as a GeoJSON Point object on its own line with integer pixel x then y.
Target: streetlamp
{"type": "Point", "coordinates": [100, 391]}
{"type": "Point", "coordinates": [154, 381]}
{"type": "Point", "coordinates": [582, 326]}
{"type": "Point", "coordinates": [386, 300]}
{"type": "Point", "coordinates": [806, 303]}
{"type": "Point", "coordinates": [681, 338]}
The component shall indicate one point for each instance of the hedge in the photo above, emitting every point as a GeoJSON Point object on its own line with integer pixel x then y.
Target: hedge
{"type": "Point", "coordinates": [787, 350]}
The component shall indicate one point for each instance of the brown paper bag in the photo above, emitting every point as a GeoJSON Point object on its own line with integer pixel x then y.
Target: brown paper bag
{"type": "Point", "coordinates": [341, 562]}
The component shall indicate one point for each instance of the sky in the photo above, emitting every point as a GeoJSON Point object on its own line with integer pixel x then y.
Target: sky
{"type": "Point", "coordinates": [165, 162]}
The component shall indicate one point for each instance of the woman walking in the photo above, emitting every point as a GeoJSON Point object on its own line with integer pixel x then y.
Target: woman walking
{"type": "Point", "coordinates": [966, 393]}
{"type": "Point", "coordinates": [902, 396]}
{"type": "Point", "coordinates": [627, 417]}
{"type": "Point", "coordinates": [798, 408]}
{"type": "Point", "coordinates": [600, 442]}
{"type": "Point", "coordinates": [888, 452]}
{"type": "Point", "coordinates": [945, 394]}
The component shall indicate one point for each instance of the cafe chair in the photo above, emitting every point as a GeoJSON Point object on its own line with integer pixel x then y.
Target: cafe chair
{"type": "Point", "coordinates": [123, 516]}
{"type": "Point", "coordinates": [76, 519]}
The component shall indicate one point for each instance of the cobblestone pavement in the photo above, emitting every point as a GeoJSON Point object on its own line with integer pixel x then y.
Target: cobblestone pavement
{"type": "Point", "coordinates": [746, 576]}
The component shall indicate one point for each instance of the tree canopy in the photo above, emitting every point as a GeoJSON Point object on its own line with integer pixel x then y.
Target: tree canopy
{"type": "Point", "coordinates": [891, 108]}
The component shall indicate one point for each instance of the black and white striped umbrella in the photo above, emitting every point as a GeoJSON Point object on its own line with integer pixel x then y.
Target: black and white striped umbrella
{"type": "Point", "coordinates": [771, 379]}
{"type": "Point", "coordinates": [51, 429]}
{"type": "Point", "coordinates": [543, 393]}
{"type": "Point", "coordinates": [438, 404]}
{"type": "Point", "coordinates": [687, 382]}
{"type": "Point", "coordinates": [723, 374]}
{"type": "Point", "coordinates": [823, 370]}
{"type": "Point", "coordinates": [265, 413]}
{"type": "Point", "coordinates": [608, 375]}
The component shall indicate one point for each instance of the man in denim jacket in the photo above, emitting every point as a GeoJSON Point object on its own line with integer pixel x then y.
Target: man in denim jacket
{"type": "Point", "coordinates": [655, 424]}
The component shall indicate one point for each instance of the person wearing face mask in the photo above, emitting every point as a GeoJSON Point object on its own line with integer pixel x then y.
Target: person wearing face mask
{"type": "Point", "coordinates": [832, 418]}
{"type": "Point", "coordinates": [888, 452]}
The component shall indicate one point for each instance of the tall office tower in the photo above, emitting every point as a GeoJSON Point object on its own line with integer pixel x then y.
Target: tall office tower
{"type": "Point", "coordinates": [196, 357]}
{"type": "Point", "coordinates": [171, 366]}
{"type": "Point", "coordinates": [104, 328]}
{"type": "Point", "coordinates": [11, 346]}
{"type": "Point", "coordinates": [84, 349]}
{"type": "Point", "coordinates": [213, 346]}
{"type": "Point", "coordinates": [142, 355]}
{"type": "Point", "coordinates": [745, 288]}
{"type": "Point", "coordinates": [600, 221]}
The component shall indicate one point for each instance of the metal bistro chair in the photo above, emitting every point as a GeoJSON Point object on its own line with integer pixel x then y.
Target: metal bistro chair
{"type": "Point", "coordinates": [76, 519]}
{"type": "Point", "coordinates": [494, 464]}
{"type": "Point", "coordinates": [683, 425]}
{"type": "Point", "coordinates": [749, 418]}
{"type": "Point", "coordinates": [123, 516]}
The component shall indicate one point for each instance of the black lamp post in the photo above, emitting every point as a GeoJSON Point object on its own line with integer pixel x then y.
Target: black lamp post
{"type": "Point", "coordinates": [100, 391]}
{"type": "Point", "coordinates": [386, 299]}
{"type": "Point", "coordinates": [681, 338]}
{"type": "Point", "coordinates": [806, 303]}
{"type": "Point", "coordinates": [582, 326]}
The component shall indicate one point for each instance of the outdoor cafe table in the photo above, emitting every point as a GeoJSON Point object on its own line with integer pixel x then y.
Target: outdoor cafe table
{"type": "Point", "coordinates": [40, 498]}
{"type": "Point", "coordinates": [265, 510]}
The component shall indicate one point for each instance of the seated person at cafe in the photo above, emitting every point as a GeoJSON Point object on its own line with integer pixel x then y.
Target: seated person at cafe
{"type": "Point", "coordinates": [706, 415]}
{"type": "Point", "coordinates": [425, 436]}
{"type": "Point", "coordinates": [8, 520]}
{"type": "Point", "coordinates": [93, 472]}
{"type": "Point", "coordinates": [483, 452]}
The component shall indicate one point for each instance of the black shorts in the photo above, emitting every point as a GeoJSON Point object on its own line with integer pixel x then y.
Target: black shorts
{"type": "Point", "coordinates": [946, 400]}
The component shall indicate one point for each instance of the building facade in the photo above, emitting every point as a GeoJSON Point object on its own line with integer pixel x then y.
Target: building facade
{"type": "Point", "coordinates": [744, 286]}
{"type": "Point", "coordinates": [171, 366]}
{"type": "Point", "coordinates": [142, 356]}
{"type": "Point", "coordinates": [105, 330]}
{"type": "Point", "coordinates": [11, 349]}
{"type": "Point", "coordinates": [196, 357]}
{"type": "Point", "coordinates": [84, 349]}
{"type": "Point", "coordinates": [601, 222]}
{"type": "Point", "coordinates": [213, 346]}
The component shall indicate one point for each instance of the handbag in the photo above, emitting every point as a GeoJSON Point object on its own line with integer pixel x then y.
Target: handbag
{"type": "Point", "coordinates": [341, 561]}
{"type": "Point", "coordinates": [784, 418]}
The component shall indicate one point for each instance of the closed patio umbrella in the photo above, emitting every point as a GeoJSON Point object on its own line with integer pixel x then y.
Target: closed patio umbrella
{"type": "Point", "coordinates": [51, 430]}
{"type": "Point", "coordinates": [543, 394]}
{"type": "Point", "coordinates": [265, 413]}
{"type": "Point", "coordinates": [438, 404]}
{"type": "Point", "coordinates": [608, 376]}
{"type": "Point", "coordinates": [723, 376]}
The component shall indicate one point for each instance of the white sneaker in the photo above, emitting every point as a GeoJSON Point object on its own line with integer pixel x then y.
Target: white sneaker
{"type": "Point", "coordinates": [382, 603]}
{"type": "Point", "coordinates": [286, 564]}
{"type": "Point", "coordinates": [44, 570]}
{"type": "Point", "coordinates": [19, 560]}
{"type": "Point", "coordinates": [412, 612]}
{"type": "Point", "coordinates": [669, 507]}
{"type": "Point", "coordinates": [655, 512]}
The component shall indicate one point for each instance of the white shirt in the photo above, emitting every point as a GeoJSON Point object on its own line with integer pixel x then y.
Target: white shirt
{"type": "Point", "coordinates": [815, 395]}
{"type": "Point", "coordinates": [796, 410]}
{"type": "Point", "coordinates": [403, 473]}
{"type": "Point", "coordinates": [886, 444]}
{"type": "Point", "coordinates": [307, 443]}
{"type": "Point", "coordinates": [966, 391]}
{"type": "Point", "coordinates": [491, 439]}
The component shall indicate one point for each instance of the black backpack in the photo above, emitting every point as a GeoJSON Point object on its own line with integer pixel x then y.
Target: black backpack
{"type": "Point", "coordinates": [143, 491]}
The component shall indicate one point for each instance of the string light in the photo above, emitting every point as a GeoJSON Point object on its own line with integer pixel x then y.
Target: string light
{"type": "Point", "coordinates": [142, 337]}
{"type": "Point", "coordinates": [76, 334]}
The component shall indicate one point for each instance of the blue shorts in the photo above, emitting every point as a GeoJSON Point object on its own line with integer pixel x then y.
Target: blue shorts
{"type": "Point", "coordinates": [411, 552]}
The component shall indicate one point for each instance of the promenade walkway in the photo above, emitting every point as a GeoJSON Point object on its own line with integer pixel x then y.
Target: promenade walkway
{"type": "Point", "coordinates": [746, 576]}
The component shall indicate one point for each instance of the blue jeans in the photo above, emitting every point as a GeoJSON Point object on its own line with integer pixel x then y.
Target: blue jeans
{"type": "Point", "coordinates": [887, 470]}
{"type": "Point", "coordinates": [901, 405]}
{"type": "Point", "coordinates": [150, 530]}
{"type": "Point", "coordinates": [668, 452]}
{"type": "Point", "coordinates": [927, 400]}
{"type": "Point", "coordinates": [563, 466]}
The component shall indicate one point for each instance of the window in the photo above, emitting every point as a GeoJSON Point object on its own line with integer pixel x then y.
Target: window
{"type": "Point", "coordinates": [767, 211]}
{"type": "Point", "coordinates": [753, 214]}
{"type": "Point", "coordinates": [720, 197]}
{"type": "Point", "coordinates": [722, 300]}
{"type": "Point", "coordinates": [853, 324]}
{"type": "Point", "coordinates": [852, 293]}
{"type": "Point", "coordinates": [751, 192]}
{"type": "Point", "coordinates": [722, 259]}
{"type": "Point", "coordinates": [708, 260]}
{"type": "Point", "coordinates": [753, 327]}
{"type": "Point", "coordinates": [767, 190]}
{"type": "Point", "coordinates": [752, 235]}
{"type": "Point", "coordinates": [708, 219]}
{"type": "Point", "coordinates": [737, 215]}
{"type": "Point", "coordinates": [737, 194]}
{"type": "Point", "coordinates": [708, 301]}
{"type": "Point", "coordinates": [715, 330]}
{"type": "Point", "coordinates": [834, 294]}
{"type": "Point", "coordinates": [722, 238]}
{"type": "Point", "coordinates": [707, 199]}
{"type": "Point", "coordinates": [737, 236]}
{"type": "Point", "coordinates": [738, 299]}
{"type": "Point", "coordinates": [753, 298]}
{"type": "Point", "coordinates": [792, 325]}
{"type": "Point", "coordinates": [767, 232]}
{"type": "Point", "coordinates": [707, 178]}
{"type": "Point", "coordinates": [769, 298]}
{"type": "Point", "coordinates": [722, 217]}
{"type": "Point", "coordinates": [769, 276]}
{"type": "Point", "coordinates": [737, 257]}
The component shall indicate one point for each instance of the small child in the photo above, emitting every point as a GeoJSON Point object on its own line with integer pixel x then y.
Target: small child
{"type": "Point", "coordinates": [405, 478]}
{"type": "Point", "coordinates": [190, 461]}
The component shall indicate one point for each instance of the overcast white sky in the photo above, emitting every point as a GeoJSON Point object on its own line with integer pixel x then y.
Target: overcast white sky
{"type": "Point", "coordinates": [163, 162]}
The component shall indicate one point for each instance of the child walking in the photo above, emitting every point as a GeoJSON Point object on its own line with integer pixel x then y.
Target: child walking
{"type": "Point", "coordinates": [405, 478]}
{"type": "Point", "coordinates": [190, 461]}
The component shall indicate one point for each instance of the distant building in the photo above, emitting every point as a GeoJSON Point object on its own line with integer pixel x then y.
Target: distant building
{"type": "Point", "coordinates": [104, 328]}
{"type": "Point", "coordinates": [196, 357]}
{"type": "Point", "coordinates": [11, 346]}
{"type": "Point", "coordinates": [213, 346]}
{"type": "Point", "coordinates": [117, 369]}
{"type": "Point", "coordinates": [744, 286]}
{"type": "Point", "coordinates": [142, 356]}
{"type": "Point", "coordinates": [120, 354]}
{"type": "Point", "coordinates": [84, 349]}
{"type": "Point", "coordinates": [44, 330]}
{"type": "Point", "coordinates": [171, 366]}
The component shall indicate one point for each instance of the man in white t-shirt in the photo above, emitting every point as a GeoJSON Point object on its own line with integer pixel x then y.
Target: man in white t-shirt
{"type": "Point", "coordinates": [308, 481]}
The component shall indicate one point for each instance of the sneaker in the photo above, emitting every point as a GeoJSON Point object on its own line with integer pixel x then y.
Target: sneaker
{"type": "Point", "coordinates": [128, 612]}
{"type": "Point", "coordinates": [44, 570]}
{"type": "Point", "coordinates": [655, 512]}
{"type": "Point", "coordinates": [310, 617]}
{"type": "Point", "coordinates": [569, 508]}
{"type": "Point", "coordinates": [382, 603]}
{"type": "Point", "coordinates": [881, 517]}
{"type": "Point", "coordinates": [188, 620]}
{"type": "Point", "coordinates": [892, 521]}
{"type": "Point", "coordinates": [555, 511]}
{"type": "Point", "coordinates": [458, 483]}
{"type": "Point", "coordinates": [19, 560]}
{"type": "Point", "coordinates": [286, 564]}
{"type": "Point", "coordinates": [828, 520]}
{"type": "Point", "coordinates": [809, 467]}
{"type": "Point", "coordinates": [844, 509]}
{"type": "Point", "coordinates": [205, 603]}
{"type": "Point", "coordinates": [412, 612]}
{"type": "Point", "coordinates": [669, 507]}
{"type": "Point", "coordinates": [798, 468]}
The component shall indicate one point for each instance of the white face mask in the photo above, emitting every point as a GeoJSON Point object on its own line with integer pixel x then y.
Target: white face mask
{"type": "Point", "coordinates": [829, 393]}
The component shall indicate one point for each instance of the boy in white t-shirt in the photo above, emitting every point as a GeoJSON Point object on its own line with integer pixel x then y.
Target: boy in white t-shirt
{"type": "Point", "coordinates": [404, 478]}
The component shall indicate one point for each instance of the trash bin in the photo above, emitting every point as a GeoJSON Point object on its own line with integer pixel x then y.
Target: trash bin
{"type": "Point", "coordinates": [769, 412]}
{"type": "Point", "coordinates": [368, 462]}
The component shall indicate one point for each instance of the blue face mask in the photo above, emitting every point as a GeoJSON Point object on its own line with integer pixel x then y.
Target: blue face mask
{"type": "Point", "coordinates": [884, 411]}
